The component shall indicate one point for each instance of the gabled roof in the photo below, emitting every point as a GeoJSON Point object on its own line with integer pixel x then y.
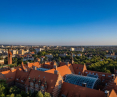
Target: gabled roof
{"type": "Point", "coordinates": [79, 68]}
{"type": "Point", "coordinates": [69, 65]}
{"type": "Point", "coordinates": [9, 75]}
{"type": "Point", "coordinates": [71, 90]}
{"type": "Point", "coordinates": [63, 70]}
{"type": "Point", "coordinates": [101, 75]}
{"type": "Point", "coordinates": [50, 78]}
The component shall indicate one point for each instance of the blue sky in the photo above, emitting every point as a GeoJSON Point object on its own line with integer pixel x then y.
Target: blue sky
{"type": "Point", "coordinates": [58, 22]}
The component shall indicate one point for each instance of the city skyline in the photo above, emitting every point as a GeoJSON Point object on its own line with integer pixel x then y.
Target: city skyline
{"type": "Point", "coordinates": [58, 22]}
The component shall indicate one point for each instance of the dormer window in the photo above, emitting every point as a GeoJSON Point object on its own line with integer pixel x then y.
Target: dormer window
{"type": "Point", "coordinates": [36, 85]}
{"type": "Point", "coordinates": [79, 73]}
{"type": "Point", "coordinates": [103, 74]}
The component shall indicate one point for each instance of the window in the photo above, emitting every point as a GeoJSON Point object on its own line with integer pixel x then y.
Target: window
{"type": "Point", "coordinates": [79, 73]}
{"type": "Point", "coordinates": [31, 84]}
{"type": "Point", "coordinates": [17, 79]}
{"type": "Point", "coordinates": [103, 74]}
{"type": "Point", "coordinates": [22, 81]}
{"type": "Point", "coordinates": [36, 85]}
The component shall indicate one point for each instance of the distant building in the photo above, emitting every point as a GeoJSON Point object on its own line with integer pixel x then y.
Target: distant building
{"type": "Point", "coordinates": [2, 61]}
{"type": "Point", "coordinates": [28, 58]}
{"type": "Point", "coordinates": [79, 54]}
{"type": "Point", "coordinates": [14, 52]}
{"type": "Point", "coordinates": [38, 50]}
{"type": "Point", "coordinates": [49, 56]}
{"type": "Point", "coordinates": [72, 49]}
{"type": "Point", "coordinates": [77, 49]}
{"type": "Point", "coordinates": [21, 52]}
{"type": "Point", "coordinates": [63, 55]}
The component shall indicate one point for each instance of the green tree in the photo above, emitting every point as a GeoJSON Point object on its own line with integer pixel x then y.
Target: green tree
{"type": "Point", "coordinates": [39, 94]}
{"type": "Point", "coordinates": [47, 94]}
{"type": "Point", "coordinates": [2, 95]}
{"type": "Point", "coordinates": [12, 95]}
{"type": "Point", "coordinates": [18, 95]}
{"type": "Point", "coordinates": [14, 90]}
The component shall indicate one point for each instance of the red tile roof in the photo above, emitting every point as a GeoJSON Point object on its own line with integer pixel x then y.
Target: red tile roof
{"type": "Point", "coordinates": [50, 78]}
{"type": "Point", "coordinates": [21, 76]}
{"type": "Point", "coordinates": [79, 68]}
{"type": "Point", "coordinates": [9, 75]}
{"type": "Point", "coordinates": [63, 70]}
{"type": "Point", "coordinates": [71, 90]}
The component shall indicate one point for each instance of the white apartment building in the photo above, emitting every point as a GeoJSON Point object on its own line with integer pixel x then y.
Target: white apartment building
{"type": "Point", "coordinates": [14, 52]}
{"type": "Point", "coordinates": [38, 50]}
{"type": "Point", "coordinates": [2, 61]}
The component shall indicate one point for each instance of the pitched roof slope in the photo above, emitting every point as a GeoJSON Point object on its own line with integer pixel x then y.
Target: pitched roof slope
{"type": "Point", "coordinates": [9, 75]}
{"type": "Point", "coordinates": [79, 68]}
{"type": "Point", "coordinates": [50, 78]}
{"type": "Point", "coordinates": [21, 76]}
{"type": "Point", "coordinates": [63, 70]}
{"type": "Point", "coordinates": [71, 90]}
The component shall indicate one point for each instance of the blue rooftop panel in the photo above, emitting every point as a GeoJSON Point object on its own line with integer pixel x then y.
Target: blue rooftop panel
{"type": "Point", "coordinates": [78, 80]}
{"type": "Point", "coordinates": [42, 69]}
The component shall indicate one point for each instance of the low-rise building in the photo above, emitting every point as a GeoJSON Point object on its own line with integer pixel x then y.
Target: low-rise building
{"type": "Point", "coordinates": [2, 61]}
{"type": "Point", "coordinates": [21, 52]}
{"type": "Point", "coordinates": [49, 56]}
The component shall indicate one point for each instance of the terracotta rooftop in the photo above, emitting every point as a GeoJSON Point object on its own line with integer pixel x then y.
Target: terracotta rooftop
{"type": "Point", "coordinates": [21, 76]}
{"type": "Point", "coordinates": [79, 68]}
{"type": "Point", "coordinates": [9, 75]}
{"type": "Point", "coordinates": [63, 70]}
{"type": "Point", "coordinates": [70, 90]}
{"type": "Point", "coordinates": [50, 78]}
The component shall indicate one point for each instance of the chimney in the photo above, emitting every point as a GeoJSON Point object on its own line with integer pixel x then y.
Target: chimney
{"type": "Point", "coordinates": [34, 67]}
{"type": "Point", "coordinates": [28, 64]}
{"type": "Point", "coordinates": [84, 84]}
{"type": "Point", "coordinates": [12, 69]}
{"type": "Point", "coordinates": [55, 71]}
{"type": "Point", "coordinates": [26, 70]}
{"type": "Point", "coordinates": [55, 67]}
{"type": "Point", "coordinates": [106, 93]}
{"type": "Point", "coordinates": [113, 76]}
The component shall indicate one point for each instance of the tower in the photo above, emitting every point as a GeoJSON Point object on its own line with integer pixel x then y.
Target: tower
{"type": "Point", "coordinates": [71, 59]}
{"type": "Point", "coordinates": [9, 57]}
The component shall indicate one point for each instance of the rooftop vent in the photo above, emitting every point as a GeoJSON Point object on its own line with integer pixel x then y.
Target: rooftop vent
{"type": "Point", "coordinates": [84, 84]}
{"type": "Point", "coordinates": [113, 76]}
{"type": "Point", "coordinates": [106, 93]}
